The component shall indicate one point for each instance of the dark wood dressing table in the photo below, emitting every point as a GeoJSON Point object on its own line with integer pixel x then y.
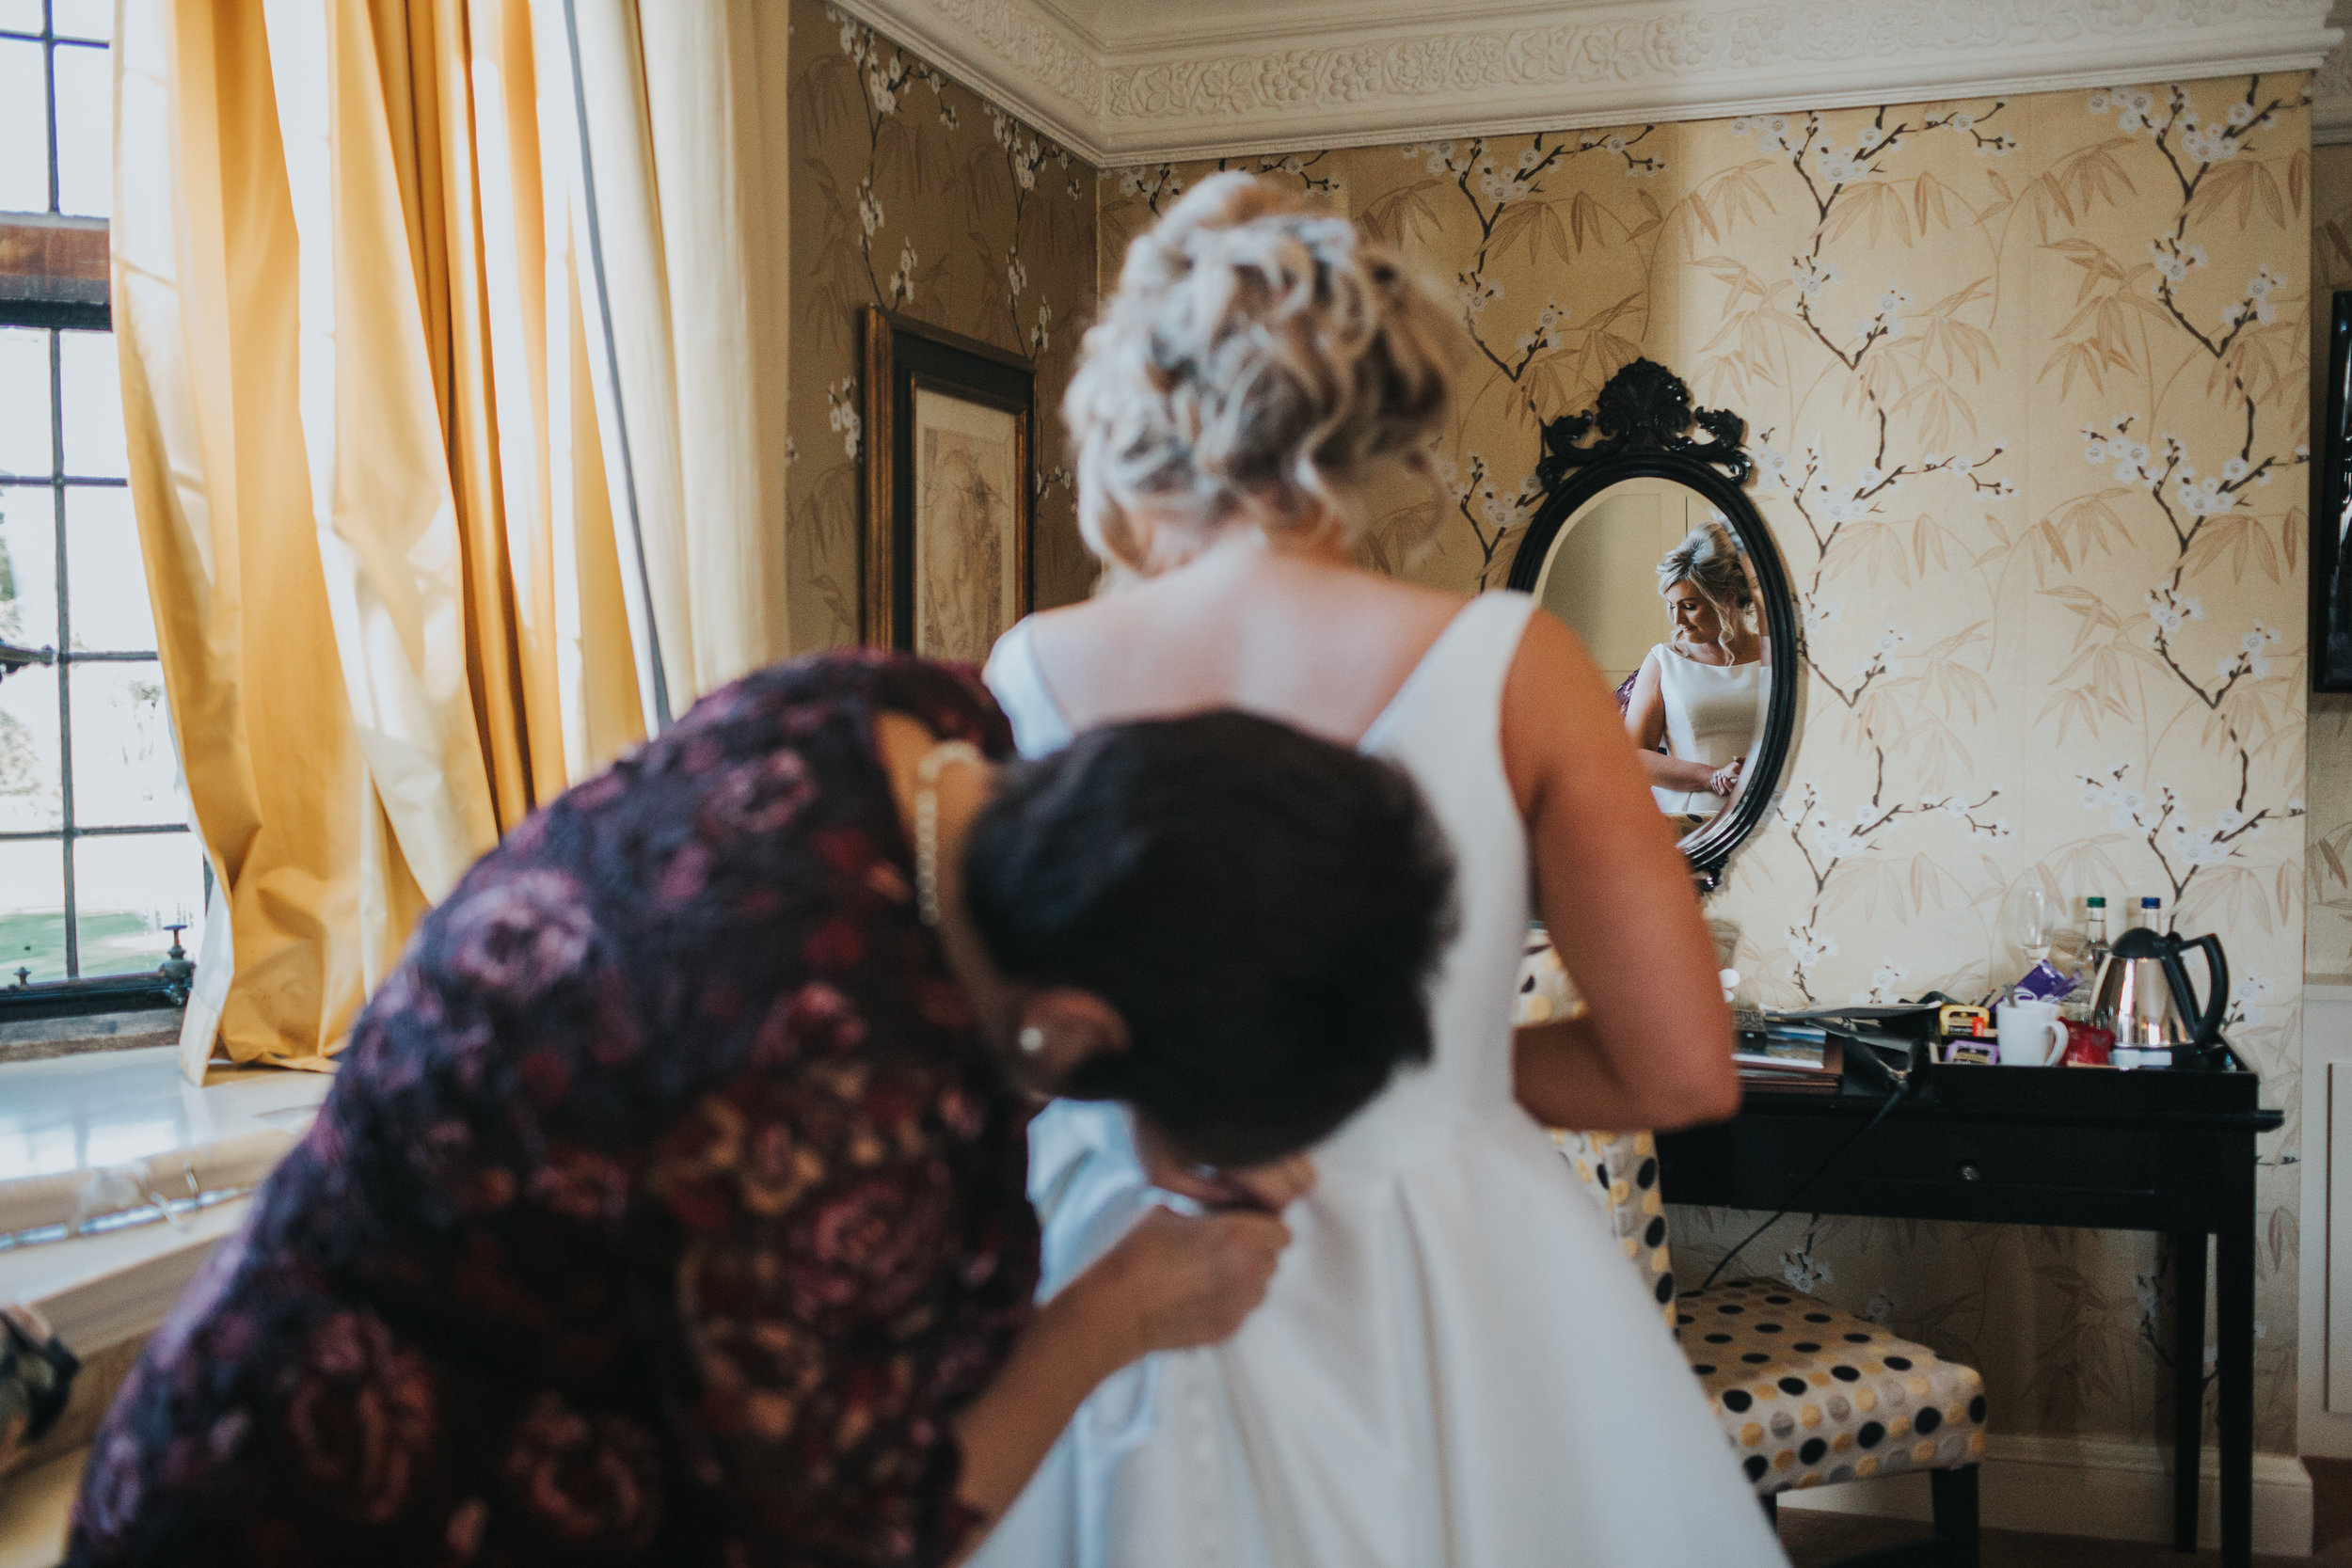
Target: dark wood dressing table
{"type": "Point", "coordinates": [2167, 1151]}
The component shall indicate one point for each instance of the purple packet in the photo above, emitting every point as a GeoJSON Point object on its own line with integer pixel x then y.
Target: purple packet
{"type": "Point", "coordinates": [2042, 983]}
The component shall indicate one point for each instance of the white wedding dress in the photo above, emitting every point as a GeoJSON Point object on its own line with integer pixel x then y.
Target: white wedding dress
{"type": "Point", "coordinates": [1714, 712]}
{"type": "Point", "coordinates": [1455, 1364]}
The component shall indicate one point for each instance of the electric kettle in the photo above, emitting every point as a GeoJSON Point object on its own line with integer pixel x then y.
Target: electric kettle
{"type": "Point", "coordinates": [2142, 992]}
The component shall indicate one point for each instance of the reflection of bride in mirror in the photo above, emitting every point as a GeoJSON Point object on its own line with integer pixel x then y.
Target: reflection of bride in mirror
{"type": "Point", "coordinates": [1699, 696]}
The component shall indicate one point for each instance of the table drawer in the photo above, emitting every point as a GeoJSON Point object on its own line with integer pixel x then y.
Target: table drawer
{"type": "Point", "coordinates": [1982, 1159]}
{"type": "Point", "coordinates": [2076, 1159]}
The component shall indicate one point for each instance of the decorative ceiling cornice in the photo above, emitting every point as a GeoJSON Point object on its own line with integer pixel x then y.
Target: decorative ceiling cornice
{"type": "Point", "coordinates": [2332, 90]}
{"type": "Point", "coordinates": [1120, 84]}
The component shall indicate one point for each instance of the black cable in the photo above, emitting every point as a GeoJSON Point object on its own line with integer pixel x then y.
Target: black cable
{"type": "Point", "coordinates": [1893, 1096]}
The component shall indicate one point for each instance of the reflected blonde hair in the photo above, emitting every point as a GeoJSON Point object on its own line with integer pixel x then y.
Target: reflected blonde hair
{"type": "Point", "coordinates": [1255, 350]}
{"type": "Point", "coordinates": [1709, 560]}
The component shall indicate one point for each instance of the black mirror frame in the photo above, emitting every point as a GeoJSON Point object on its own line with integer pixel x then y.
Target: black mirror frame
{"type": "Point", "coordinates": [1642, 418]}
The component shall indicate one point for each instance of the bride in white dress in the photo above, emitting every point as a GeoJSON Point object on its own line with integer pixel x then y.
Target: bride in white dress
{"type": "Point", "coordinates": [1455, 1365]}
{"type": "Point", "coordinates": [1702, 696]}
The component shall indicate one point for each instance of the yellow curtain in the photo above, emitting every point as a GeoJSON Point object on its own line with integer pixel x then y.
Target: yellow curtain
{"type": "Point", "coordinates": [685, 161]}
{"type": "Point", "coordinates": [376, 516]}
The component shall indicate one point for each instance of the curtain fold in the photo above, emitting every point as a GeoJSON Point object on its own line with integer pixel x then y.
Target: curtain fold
{"type": "Point", "coordinates": [372, 496]}
{"type": "Point", "coordinates": [205, 324]}
{"type": "Point", "coordinates": [685, 162]}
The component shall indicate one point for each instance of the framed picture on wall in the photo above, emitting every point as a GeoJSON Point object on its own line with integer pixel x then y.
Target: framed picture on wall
{"type": "Point", "coordinates": [949, 431]}
{"type": "Point", "coordinates": [2331, 505]}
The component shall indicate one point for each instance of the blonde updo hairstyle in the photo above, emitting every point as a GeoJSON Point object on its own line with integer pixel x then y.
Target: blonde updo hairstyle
{"type": "Point", "coordinates": [1709, 560]}
{"type": "Point", "coordinates": [1256, 351]}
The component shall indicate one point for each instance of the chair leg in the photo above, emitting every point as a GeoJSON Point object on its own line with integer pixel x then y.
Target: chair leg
{"type": "Point", "coordinates": [1955, 1499]}
{"type": "Point", "coordinates": [1772, 1509]}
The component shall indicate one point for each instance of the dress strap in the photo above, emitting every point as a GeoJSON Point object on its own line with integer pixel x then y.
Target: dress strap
{"type": "Point", "coordinates": [1467, 662]}
{"type": "Point", "coordinates": [1039, 724]}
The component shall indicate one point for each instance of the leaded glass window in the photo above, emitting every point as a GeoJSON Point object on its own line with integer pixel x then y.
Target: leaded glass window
{"type": "Point", "coordinates": [96, 855]}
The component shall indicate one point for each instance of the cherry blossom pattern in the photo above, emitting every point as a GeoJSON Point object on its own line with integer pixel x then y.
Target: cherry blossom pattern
{"type": "Point", "coordinates": [841, 413]}
{"type": "Point", "coordinates": [1826, 840]}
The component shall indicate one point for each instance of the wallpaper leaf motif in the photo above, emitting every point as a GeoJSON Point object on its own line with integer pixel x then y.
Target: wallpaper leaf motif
{"type": "Point", "coordinates": [913, 194]}
{"type": "Point", "coordinates": [2023, 377]}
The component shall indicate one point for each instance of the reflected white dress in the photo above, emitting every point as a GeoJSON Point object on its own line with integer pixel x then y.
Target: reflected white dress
{"type": "Point", "coordinates": [1455, 1364]}
{"type": "Point", "coordinates": [1713, 715]}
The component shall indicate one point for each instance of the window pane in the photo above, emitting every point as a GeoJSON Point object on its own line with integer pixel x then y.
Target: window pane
{"type": "Point", "coordinates": [89, 393]}
{"type": "Point", "coordinates": [32, 910]}
{"type": "Point", "coordinates": [102, 572]}
{"type": "Point", "coordinates": [127, 890]}
{"type": "Point", "coordinates": [25, 443]}
{"type": "Point", "coordinates": [24, 128]}
{"type": "Point", "coordinates": [83, 18]}
{"type": "Point", "coordinates": [125, 773]}
{"type": "Point", "coordinates": [86, 132]}
{"type": "Point", "coordinates": [20, 16]}
{"type": "Point", "coordinates": [32, 773]}
{"type": "Point", "coordinates": [28, 565]}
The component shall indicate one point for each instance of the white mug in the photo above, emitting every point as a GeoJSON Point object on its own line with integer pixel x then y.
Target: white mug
{"type": "Point", "coordinates": [2031, 1033]}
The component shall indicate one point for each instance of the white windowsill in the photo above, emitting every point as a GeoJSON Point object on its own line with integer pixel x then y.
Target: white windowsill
{"type": "Point", "coordinates": [96, 1139]}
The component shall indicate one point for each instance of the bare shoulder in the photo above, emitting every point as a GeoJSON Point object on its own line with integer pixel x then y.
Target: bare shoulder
{"type": "Point", "coordinates": [1394, 601]}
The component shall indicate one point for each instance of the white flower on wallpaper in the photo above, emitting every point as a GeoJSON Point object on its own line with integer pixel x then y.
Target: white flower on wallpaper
{"type": "Point", "coordinates": [1773, 133]}
{"type": "Point", "coordinates": [841, 413]}
{"type": "Point", "coordinates": [1887, 984]}
{"type": "Point", "coordinates": [1808, 947]}
{"type": "Point", "coordinates": [1804, 1271]}
{"type": "Point", "coordinates": [1545, 332]}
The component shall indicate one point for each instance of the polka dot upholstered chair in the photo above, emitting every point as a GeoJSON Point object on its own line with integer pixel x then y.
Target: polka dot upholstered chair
{"type": "Point", "coordinates": [1807, 1394]}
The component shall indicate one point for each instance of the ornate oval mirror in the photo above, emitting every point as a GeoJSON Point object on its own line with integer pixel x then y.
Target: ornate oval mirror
{"type": "Point", "coordinates": [1646, 543]}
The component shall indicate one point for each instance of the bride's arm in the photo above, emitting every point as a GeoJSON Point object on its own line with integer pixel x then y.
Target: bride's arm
{"type": "Point", "coordinates": [1655, 1049]}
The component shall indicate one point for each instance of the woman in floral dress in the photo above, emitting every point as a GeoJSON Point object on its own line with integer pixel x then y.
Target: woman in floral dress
{"type": "Point", "coordinates": [669, 1203]}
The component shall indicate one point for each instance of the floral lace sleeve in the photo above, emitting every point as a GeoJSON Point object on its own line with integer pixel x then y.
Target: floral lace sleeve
{"type": "Point", "coordinates": [666, 1206]}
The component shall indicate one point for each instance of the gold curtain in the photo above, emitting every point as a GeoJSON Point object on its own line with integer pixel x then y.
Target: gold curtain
{"type": "Point", "coordinates": [373, 505]}
{"type": "Point", "coordinates": [686, 158]}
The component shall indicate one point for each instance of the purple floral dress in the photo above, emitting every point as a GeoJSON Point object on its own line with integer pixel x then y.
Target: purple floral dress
{"type": "Point", "coordinates": [666, 1207]}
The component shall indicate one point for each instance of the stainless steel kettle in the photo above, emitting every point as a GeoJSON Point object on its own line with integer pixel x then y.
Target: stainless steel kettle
{"type": "Point", "coordinates": [2144, 994]}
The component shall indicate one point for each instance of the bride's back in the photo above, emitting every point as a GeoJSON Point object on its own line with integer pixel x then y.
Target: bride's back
{"type": "Point", "coordinates": [1292, 633]}
{"type": "Point", "coordinates": [1453, 1363]}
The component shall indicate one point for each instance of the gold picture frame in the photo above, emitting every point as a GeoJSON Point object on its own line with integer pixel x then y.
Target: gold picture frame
{"type": "Point", "coordinates": [950, 495]}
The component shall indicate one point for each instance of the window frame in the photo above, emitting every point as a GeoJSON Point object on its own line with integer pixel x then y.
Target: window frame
{"type": "Point", "coordinates": [54, 305]}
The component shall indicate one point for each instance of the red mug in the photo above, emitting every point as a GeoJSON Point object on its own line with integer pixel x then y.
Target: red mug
{"type": "Point", "coordinates": [2086, 1046]}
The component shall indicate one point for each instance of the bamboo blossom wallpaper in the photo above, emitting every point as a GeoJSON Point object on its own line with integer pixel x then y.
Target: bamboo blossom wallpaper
{"type": "Point", "coordinates": [913, 193]}
{"type": "Point", "coordinates": [2026, 380]}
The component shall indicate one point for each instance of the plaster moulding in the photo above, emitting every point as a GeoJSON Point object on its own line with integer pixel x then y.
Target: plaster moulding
{"type": "Point", "coordinates": [2332, 90]}
{"type": "Point", "coordinates": [1118, 81]}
